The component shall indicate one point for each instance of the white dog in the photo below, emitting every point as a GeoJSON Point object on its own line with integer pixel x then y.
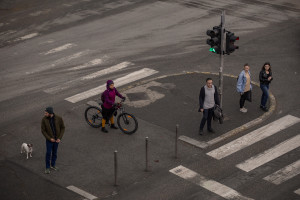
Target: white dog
{"type": "Point", "coordinates": [27, 148]}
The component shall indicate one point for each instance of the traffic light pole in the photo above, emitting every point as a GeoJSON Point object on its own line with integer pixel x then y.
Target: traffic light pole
{"type": "Point", "coordinates": [223, 38]}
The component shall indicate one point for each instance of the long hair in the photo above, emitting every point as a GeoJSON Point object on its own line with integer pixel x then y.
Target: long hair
{"type": "Point", "coordinates": [263, 67]}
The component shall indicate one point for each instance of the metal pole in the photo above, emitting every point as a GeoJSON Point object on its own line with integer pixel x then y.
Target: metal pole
{"type": "Point", "coordinates": [146, 154]}
{"type": "Point", "coordinates": [116, 166]}
{"type": "Point", "coordinates": [176, 141]}
{"type": "Point", "coordinates": [223, 38]}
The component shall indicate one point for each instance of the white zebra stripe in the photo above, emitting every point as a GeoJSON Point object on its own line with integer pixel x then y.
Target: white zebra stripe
{"type": "Point", "coordinates": [137, 75]}
{"type": "Point", "coordinates": [253, 137]}
{"type": "Point", "coordinates": [270, 154]}
{"type": "Point", "coordinates": [284, 174]}
{"type": "Point", "coordinates": [211, 185]}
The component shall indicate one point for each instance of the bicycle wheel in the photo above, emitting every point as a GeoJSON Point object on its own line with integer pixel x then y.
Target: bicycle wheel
{"type": "Point", "coordinates": [127, 123]}
{"type": "Point", "coordinates": [93, 116]}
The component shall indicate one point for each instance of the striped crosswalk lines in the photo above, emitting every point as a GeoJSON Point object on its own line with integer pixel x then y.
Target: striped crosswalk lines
{"type": "Point", "coordinates": [95, 63]}
{"type": "Point", "coordinates": [211, 185]}
{"type": "Point", "coordinates": [103, 72]}
{"type": "Point", "coordinates": [60, 48]}
{"type": "Point", "coordinates": [278, 177]}
{"type": "Point", "coordinates": [284, 174]}
{"type": "Point", "coordinates": [253, 137]}
{"type": "Point", "coordinates": [137, 75]}
{"type": "Point", "coordinates": [270, 154]}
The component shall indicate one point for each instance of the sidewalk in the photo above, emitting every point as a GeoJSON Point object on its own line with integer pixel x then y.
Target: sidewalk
{"type": "Point", "coordinates": [85, 155]}
{"type": "Point", "coordinates": [20, 183]}
{"type": "Point", "coordinates": [180, 103]}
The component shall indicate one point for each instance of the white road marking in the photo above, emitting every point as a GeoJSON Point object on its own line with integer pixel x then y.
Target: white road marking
{"type": "Point", "coordinates": [270, 154]}
{"type": "Point", "coordinates": [26, 37]}
{"type": "Point", "coordinates": [92, 63]}
{"type": "Point", "coordinates": [81, 192]}
{"type": "Point", "coordinates": [60, 61]}
{"type": "Point", "coordinates": [61, 48]}
{"type": "Point", "coordinates": [284, 174]}
{"type": "Point", "coordinates": [143, 73]}
{"type": "Point", "coordinates": [107, 71]}
{"type": "Point", "coordinates": [193, 142]}
{"type": "Point", "coordinates": [297, 191]}
{"type": "Point", "coordinates": [253, 137]}
{"type": "Point", "coordinates": [211, 185]}
{"type": "Point", "coordinates": [103, 72]}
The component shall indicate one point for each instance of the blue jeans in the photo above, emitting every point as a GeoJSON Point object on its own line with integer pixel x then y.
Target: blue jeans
{"type": "Point", "coordinates": [265, 94]}
{"type": "Point", "coordinates": [207, 116]}
{"type": "Point", "coordinates": [51, 153]}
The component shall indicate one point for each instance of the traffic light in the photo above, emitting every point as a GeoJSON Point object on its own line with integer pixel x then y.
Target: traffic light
{"type": "Point", "coordinates": [215, 40]}
{"type": "Point", "coordinates": [230, 39]}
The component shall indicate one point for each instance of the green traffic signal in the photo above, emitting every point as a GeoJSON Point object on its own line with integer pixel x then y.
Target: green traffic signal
{"type": "Point", "coordinates": [212, 50]}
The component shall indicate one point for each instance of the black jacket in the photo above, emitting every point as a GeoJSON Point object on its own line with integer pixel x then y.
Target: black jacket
{"type": "Point", "coordinates": [263, 77]}
{"type": "Point", "coordinates": [202, 97]}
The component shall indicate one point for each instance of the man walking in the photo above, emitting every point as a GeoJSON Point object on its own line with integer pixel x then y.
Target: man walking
{"type": "Point", "coordinates": [207, 99]}
{"type": "Point", "coordinates": [53, 129]}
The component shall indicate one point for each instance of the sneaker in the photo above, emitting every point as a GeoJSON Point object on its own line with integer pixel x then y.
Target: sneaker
{"type": "Point", "coordinates": [243, 110]}
{"type": "Point", "coordinates": [200, 132]}
{"type": "Point", "coordinates": [104, 130]}
{"type": "Point", "coordinates": [265, 109]}
{"type": "Point", "coordinates": [113, 126]}
{"type": "Point", "coordinates": [47, 171]}
{"type": "Point", "coordinates": [211, 130]}
{"type": "Point", "coordinates": [54, 168]}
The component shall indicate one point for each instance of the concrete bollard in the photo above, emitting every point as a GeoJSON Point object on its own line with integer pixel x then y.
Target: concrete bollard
{"type": "Point", "coordinates": [116, 166]}
{"type": "Point", "coordinates": [176, 141]}
{"type": "Point", "coordinates": [146, 168]}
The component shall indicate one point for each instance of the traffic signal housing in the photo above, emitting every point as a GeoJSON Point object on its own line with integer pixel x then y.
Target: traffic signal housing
{"type": "Point", "coordinates": [215, 40]}
{"type": "Point", "coordinates": [230, 39]}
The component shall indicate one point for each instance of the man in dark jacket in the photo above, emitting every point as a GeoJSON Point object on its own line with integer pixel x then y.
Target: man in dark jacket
{"type": "Point", "coordinates": [207, 99]}
{"type": "Point", "coordinates": [53, 129]}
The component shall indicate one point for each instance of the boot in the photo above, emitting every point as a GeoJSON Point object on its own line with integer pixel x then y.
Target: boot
{"type": "Point", "coordinates": [103, 129]}
{"type": "Point", "coordinates": [113, 126]}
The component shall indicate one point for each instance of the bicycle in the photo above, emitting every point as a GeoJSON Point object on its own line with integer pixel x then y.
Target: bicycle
{"type": "Point", "coordinates": [126, 122]}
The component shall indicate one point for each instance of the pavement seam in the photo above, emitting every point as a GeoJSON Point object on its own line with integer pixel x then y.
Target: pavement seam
{"type": "Point", "coordinates": [231, 133]}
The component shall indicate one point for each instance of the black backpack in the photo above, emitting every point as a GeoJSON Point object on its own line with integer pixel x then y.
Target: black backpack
{"type": "Point", "coordinates": [102, 97]}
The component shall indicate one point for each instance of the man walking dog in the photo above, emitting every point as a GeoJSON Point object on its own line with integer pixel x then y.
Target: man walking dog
{"type": "Point", "coordinates": [53, 129]}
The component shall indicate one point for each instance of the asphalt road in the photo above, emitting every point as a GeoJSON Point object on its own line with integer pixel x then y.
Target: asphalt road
{"type": "Point", "coordinates": [52, 51]}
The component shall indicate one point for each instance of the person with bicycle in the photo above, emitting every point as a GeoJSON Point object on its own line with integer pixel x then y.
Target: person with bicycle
{"type": "Point", "coordinates": [108, 106]}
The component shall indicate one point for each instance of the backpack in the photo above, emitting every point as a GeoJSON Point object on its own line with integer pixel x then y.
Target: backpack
{"type": "Point", "coordinates": [102, 97]}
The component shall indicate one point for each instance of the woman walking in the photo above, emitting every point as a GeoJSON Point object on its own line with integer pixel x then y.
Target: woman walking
{"type": "Point", "coordinates": [244, 87]}
{"type": "Point", "coordinates": [265, 78]}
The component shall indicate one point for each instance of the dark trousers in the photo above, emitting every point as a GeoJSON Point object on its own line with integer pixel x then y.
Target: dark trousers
{"type": "Point", "coordinates": [243, 98]}
{"type": "Point", "coordinates": [51, 153]}
{"type": "Point", "coordinates": [207, 116]}
{"type": "Point", "coordinates": [265, 94]}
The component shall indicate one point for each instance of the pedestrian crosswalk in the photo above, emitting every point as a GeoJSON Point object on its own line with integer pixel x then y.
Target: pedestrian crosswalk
{"type": "Point", "coordinates": [137, 75]}
{"type": "Point", "coordinates": [253, 137]}
{"type": "Point", "coordinates": [284, 174]}
{"type": "Point", "coordinates": [211, 185]}
{"type": "Point", "coordinates": [107, 72]}
{"type": "Point", "coordinates": [272, 153]}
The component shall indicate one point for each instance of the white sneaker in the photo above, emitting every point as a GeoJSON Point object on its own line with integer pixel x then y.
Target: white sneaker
{"type": "Point", "coordinates": [243, 110]}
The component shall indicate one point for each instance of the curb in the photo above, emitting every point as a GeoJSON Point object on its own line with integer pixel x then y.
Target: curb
{"type": "Point", "coordinates": [202, 144]}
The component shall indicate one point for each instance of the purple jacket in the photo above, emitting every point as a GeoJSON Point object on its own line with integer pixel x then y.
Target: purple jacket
{"type": "Point", "coordinates": [109, 97]}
